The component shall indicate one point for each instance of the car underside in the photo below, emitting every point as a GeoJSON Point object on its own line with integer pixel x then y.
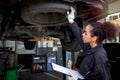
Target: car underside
{"type": "Point", "coordinates": [30, 19]}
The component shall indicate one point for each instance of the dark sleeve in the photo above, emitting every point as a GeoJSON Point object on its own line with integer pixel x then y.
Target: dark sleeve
{"type": "Point", "coordinates": [77, 31]}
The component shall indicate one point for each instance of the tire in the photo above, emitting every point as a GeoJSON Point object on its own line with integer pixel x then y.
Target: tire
{"type": "Point", "coordinates": [45, 13]}
{"type": "Point", "coordinates": [29, 45]}
{"type": "Point", "coordinates": [72, 46]}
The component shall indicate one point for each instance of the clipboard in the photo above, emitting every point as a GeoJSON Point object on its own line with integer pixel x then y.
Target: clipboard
{"type": "Point", "coordinates": [74, 74]}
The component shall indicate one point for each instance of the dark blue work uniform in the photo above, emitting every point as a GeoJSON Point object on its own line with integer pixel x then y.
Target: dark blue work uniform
{"type": "Point", "coordinates": [95, 65]}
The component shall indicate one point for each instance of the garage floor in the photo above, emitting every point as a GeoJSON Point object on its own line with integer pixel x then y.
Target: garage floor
{"type": "Point", "coordinates": [27, 75]}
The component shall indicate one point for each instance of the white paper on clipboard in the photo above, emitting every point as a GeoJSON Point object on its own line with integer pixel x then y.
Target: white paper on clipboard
{"type": "Point", "coordinates": [74, 74]}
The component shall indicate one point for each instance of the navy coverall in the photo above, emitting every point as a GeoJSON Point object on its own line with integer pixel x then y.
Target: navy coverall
{"type": "Point", "coordinates": [95, 65]}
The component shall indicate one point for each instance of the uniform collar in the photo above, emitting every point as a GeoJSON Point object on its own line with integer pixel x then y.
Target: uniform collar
{"type": "Point", "coordinates": [92, 50]}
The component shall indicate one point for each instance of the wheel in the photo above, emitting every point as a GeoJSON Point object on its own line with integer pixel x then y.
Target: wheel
{"type": "Point", "coordinates": [45, 13]}
{"type": "Point", "coordinates": [72, 46]}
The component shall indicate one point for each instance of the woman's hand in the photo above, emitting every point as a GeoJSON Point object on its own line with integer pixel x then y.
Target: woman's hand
{"type": "Point", "coordinates": [71, 15]}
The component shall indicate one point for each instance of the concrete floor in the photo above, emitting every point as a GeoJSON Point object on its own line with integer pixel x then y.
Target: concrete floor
{"type": "Point", "coordinates": [28, 75]}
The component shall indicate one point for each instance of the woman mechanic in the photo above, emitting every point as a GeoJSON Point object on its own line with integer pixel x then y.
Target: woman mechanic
{"type": "Point", "coordinates": [95, 65]}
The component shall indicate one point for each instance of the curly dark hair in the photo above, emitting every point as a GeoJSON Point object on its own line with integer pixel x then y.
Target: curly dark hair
{"type": "Point", "coordinates": [103, 31]}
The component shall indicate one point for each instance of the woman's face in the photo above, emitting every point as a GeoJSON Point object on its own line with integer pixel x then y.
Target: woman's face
{"type": "Point", "coordinates": [87, 38]}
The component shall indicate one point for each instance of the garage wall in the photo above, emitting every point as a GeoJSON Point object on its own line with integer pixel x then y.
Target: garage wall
{"type": "Point", "coordinates": [114, 7]}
